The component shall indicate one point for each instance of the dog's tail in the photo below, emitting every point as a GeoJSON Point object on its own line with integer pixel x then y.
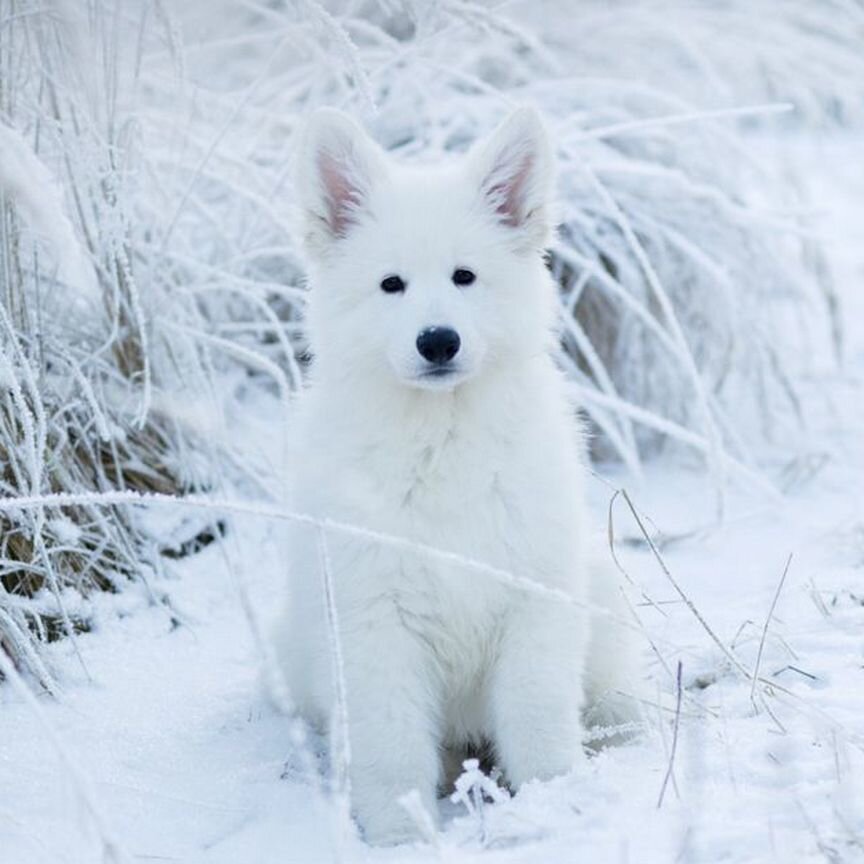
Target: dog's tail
{"type": "Point", "coordinates": [614, 679]}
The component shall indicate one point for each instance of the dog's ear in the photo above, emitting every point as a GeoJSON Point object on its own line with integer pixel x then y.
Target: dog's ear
{"type": "Point", "coordinates": [513, 170]}
{"type": "Point", "coordinates": [338, 165]}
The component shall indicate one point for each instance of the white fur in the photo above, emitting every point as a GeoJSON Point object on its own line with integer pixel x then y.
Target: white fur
{"type": "Point", "coordinates": [485, 462]}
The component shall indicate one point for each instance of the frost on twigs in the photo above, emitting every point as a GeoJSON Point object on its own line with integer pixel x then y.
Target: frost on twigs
{"type": "Point", "coordinates": [77, 374]}
{"type": "Point", "coordinates": [475, 790]}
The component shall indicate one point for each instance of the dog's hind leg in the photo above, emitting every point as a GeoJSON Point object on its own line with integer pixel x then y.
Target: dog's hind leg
{"type": "Point", "coordinates": [613, 684]}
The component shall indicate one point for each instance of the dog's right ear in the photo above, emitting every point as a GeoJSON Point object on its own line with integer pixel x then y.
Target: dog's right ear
{"type": "Point", "coordinates": [338, 165]}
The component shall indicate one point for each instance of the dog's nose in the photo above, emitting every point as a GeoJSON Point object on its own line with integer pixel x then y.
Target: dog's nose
{"type": "Point", "coordinates": [438, 344]}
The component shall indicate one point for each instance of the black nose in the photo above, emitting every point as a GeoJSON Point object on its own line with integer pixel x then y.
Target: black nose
{"type": "Point", "coordinates": [438, 344]}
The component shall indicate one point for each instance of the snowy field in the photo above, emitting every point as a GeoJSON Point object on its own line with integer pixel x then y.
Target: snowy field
{"type": "Point", "coordinates": [162, 745]}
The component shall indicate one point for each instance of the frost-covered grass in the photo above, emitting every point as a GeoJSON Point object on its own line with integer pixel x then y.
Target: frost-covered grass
{"type": "Point", "coordinates": [151, 278]}
{"type": "Point", "coordinates": [151, 338]}
{"type": "Point", "coordinates": [77, 408]}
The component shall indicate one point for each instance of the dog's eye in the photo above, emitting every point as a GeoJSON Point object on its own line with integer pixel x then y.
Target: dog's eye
{"type": "Point", "coordinates": [463, 277]}
{"type": "Point", "coordinates": [392, 285]}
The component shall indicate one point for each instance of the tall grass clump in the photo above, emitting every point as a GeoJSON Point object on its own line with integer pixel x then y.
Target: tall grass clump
{"type": "Point", "coordinates": [78, 377]}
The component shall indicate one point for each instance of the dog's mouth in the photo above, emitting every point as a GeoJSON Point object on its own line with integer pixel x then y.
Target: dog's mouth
{"type": "Point", "coordinates": [439, 372]}
{"type": "Point", "coordinates": [440, 377]}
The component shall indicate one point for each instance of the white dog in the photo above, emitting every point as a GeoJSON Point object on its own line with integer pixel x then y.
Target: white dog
{"type": "Point", "coordinates": [435, 414]}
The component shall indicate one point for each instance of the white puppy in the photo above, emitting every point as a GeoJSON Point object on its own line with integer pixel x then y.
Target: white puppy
{"type": "Point", "coordinates": [436, 414]}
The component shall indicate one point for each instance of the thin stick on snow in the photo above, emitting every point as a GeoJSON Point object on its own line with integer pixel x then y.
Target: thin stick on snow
{"type": "Point", "coordinates": [813, 712]}
{"type": "Point", "coordinates": [342, 744]}
{"type": "Point", "coordinates": [610, 538]}
{"type": "Point", "coordinates": [680, 591]}
{"type": "Point", "coordinates": [646, 635]}
{"type": "Point", "coordinates": [765, 630]}
{"type": "Point", "coordinates": [129, 496]}
{"type": "Point", "coordinates": [669, 775]}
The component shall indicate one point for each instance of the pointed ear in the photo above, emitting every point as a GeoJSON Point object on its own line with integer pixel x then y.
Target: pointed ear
{"type": "Point", "coordinates": [513, 170]}
{"type": "Point", "coordinates": [338, 165]}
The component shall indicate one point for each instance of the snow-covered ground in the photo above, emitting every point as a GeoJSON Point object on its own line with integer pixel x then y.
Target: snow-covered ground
{"type": "Point", "coordinates": [188, 762]}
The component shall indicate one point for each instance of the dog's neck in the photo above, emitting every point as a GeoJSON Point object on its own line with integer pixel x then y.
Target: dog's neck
{"type": "Point", "coordinates": [387, 410]}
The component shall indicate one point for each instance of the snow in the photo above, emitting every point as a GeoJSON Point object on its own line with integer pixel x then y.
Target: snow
{"type": "Point", "coordinates": [65, 530]}
{"type": "Point", "coordinates": [29, 183]}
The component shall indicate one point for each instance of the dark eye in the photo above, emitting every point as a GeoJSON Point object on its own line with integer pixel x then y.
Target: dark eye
{"type": "Point", "coordinates": [463, 277]}
{"type": "Point", "coordinates": [392, 285]}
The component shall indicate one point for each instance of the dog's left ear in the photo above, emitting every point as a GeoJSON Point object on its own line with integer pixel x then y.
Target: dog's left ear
{"type": "Point", "coordinates": [514, 172]}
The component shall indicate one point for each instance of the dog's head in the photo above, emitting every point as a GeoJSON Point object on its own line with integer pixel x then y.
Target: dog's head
{"type": "Point", "coordinates": [429, 273]}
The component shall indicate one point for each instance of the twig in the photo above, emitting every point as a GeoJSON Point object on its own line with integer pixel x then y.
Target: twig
{"type": "Point", "coordinates": [133, 497]}
{"type": "Point", "coordinates": [690, 605]}
{"type": "Point", "coordinates": [341, 746]}
{"type": "Point", "coordinates": [610, 536]}
{"type": "Point", "coordinates": [677, 723]}
{"type": "Point", "coordinates": [765, 631]}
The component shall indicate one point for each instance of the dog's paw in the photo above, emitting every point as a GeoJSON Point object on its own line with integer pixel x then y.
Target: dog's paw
{"type": "Point", "coordinates": [388, 828]}
{"type": "Point", "coordinates": [411, 818]}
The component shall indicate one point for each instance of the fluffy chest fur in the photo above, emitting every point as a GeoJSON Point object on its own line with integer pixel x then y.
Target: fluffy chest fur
{"type": "Point", "coordinates": [492, 473]}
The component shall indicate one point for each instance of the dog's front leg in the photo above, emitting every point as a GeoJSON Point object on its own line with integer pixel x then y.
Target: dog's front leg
{"type": "Point", "coordinates": [537, 692]}
{"type": "Point", "coordinates": [392, 723]}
